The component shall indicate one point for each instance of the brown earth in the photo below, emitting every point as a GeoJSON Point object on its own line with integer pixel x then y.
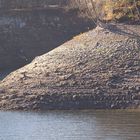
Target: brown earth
{"type": "Point", "coordinates": [99, 69]}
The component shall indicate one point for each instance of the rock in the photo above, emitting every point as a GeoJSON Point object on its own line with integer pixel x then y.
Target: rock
{"type": "Point", "coordinates": [138, 88]}
{"type": "Point", "coordinates": [2, 91]}
{"type": "Point", "coordinates": [14, 96]}
{"type": "Point", "coordinates": [61, 77]}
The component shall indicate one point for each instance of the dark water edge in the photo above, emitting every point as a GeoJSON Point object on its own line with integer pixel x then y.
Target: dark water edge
{"type": "Point", "coordinates": [70, 125]}
{"type": "Point", "coordinates": [4, 73]}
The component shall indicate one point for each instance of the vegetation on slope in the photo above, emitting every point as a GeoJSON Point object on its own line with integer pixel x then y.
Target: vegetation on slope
{"type": "Point", "coordinates": [109, 9]}
{"type": "Point", "coordinates": [122, 9]}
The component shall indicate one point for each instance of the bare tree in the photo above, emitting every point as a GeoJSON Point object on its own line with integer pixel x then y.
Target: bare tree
{"type": "Point", "coordinates": [96, 15]}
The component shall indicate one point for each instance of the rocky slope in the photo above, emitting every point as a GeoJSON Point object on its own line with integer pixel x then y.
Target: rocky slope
{"type": "Point", "coordinates": [99, 69]}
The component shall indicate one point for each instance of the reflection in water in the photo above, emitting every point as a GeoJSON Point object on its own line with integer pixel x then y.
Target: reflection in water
{"type": "Point", "coordinates": [70, 125]}
{"type": "Point", "coordinates": [14, 22]}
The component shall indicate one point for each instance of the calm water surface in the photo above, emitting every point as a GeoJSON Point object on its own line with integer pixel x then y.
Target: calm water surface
{"type": "Point", "coordinates": [4, 73]}
{"type": "Point", "coordinates": [70, 125]}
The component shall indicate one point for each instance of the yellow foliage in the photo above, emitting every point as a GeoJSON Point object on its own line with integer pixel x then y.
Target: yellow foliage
{"type": "Point", "coordinates": [116, 9]}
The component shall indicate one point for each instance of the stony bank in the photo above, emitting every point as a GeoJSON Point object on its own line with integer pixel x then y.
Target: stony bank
{"type": "Point", "coordinates": [99, 69]}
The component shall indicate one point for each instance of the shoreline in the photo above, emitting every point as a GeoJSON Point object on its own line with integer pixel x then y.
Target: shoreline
{"type": "Point", "coordinates": [98, 69]}
{"type": "Point", "coordinates": [5, 73]}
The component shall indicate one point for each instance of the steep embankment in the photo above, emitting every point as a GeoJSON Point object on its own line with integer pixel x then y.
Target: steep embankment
{"type": "Point", "coordinates": [98, 69]}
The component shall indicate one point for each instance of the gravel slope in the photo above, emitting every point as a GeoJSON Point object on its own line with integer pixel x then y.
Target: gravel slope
{"type": "Point", "coordinates": [99, 69]}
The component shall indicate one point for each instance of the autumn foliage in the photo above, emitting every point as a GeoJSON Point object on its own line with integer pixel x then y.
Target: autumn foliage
{"type": "Point", "coordinates": [109, 9]}
{"type": "Point", "coordinates": [122, 9]}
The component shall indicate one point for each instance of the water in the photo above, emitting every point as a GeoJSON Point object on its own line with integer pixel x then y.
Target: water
{"type": "Point", "coordinates": [4, 73]}
{"type": "Point", "coordinates": [70, 125]}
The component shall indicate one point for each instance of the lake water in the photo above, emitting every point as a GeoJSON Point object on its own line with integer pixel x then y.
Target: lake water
{"type": "Point", "coordinates": [70, 125]}
{"type": "Point", "coordinates": [4, 73]}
